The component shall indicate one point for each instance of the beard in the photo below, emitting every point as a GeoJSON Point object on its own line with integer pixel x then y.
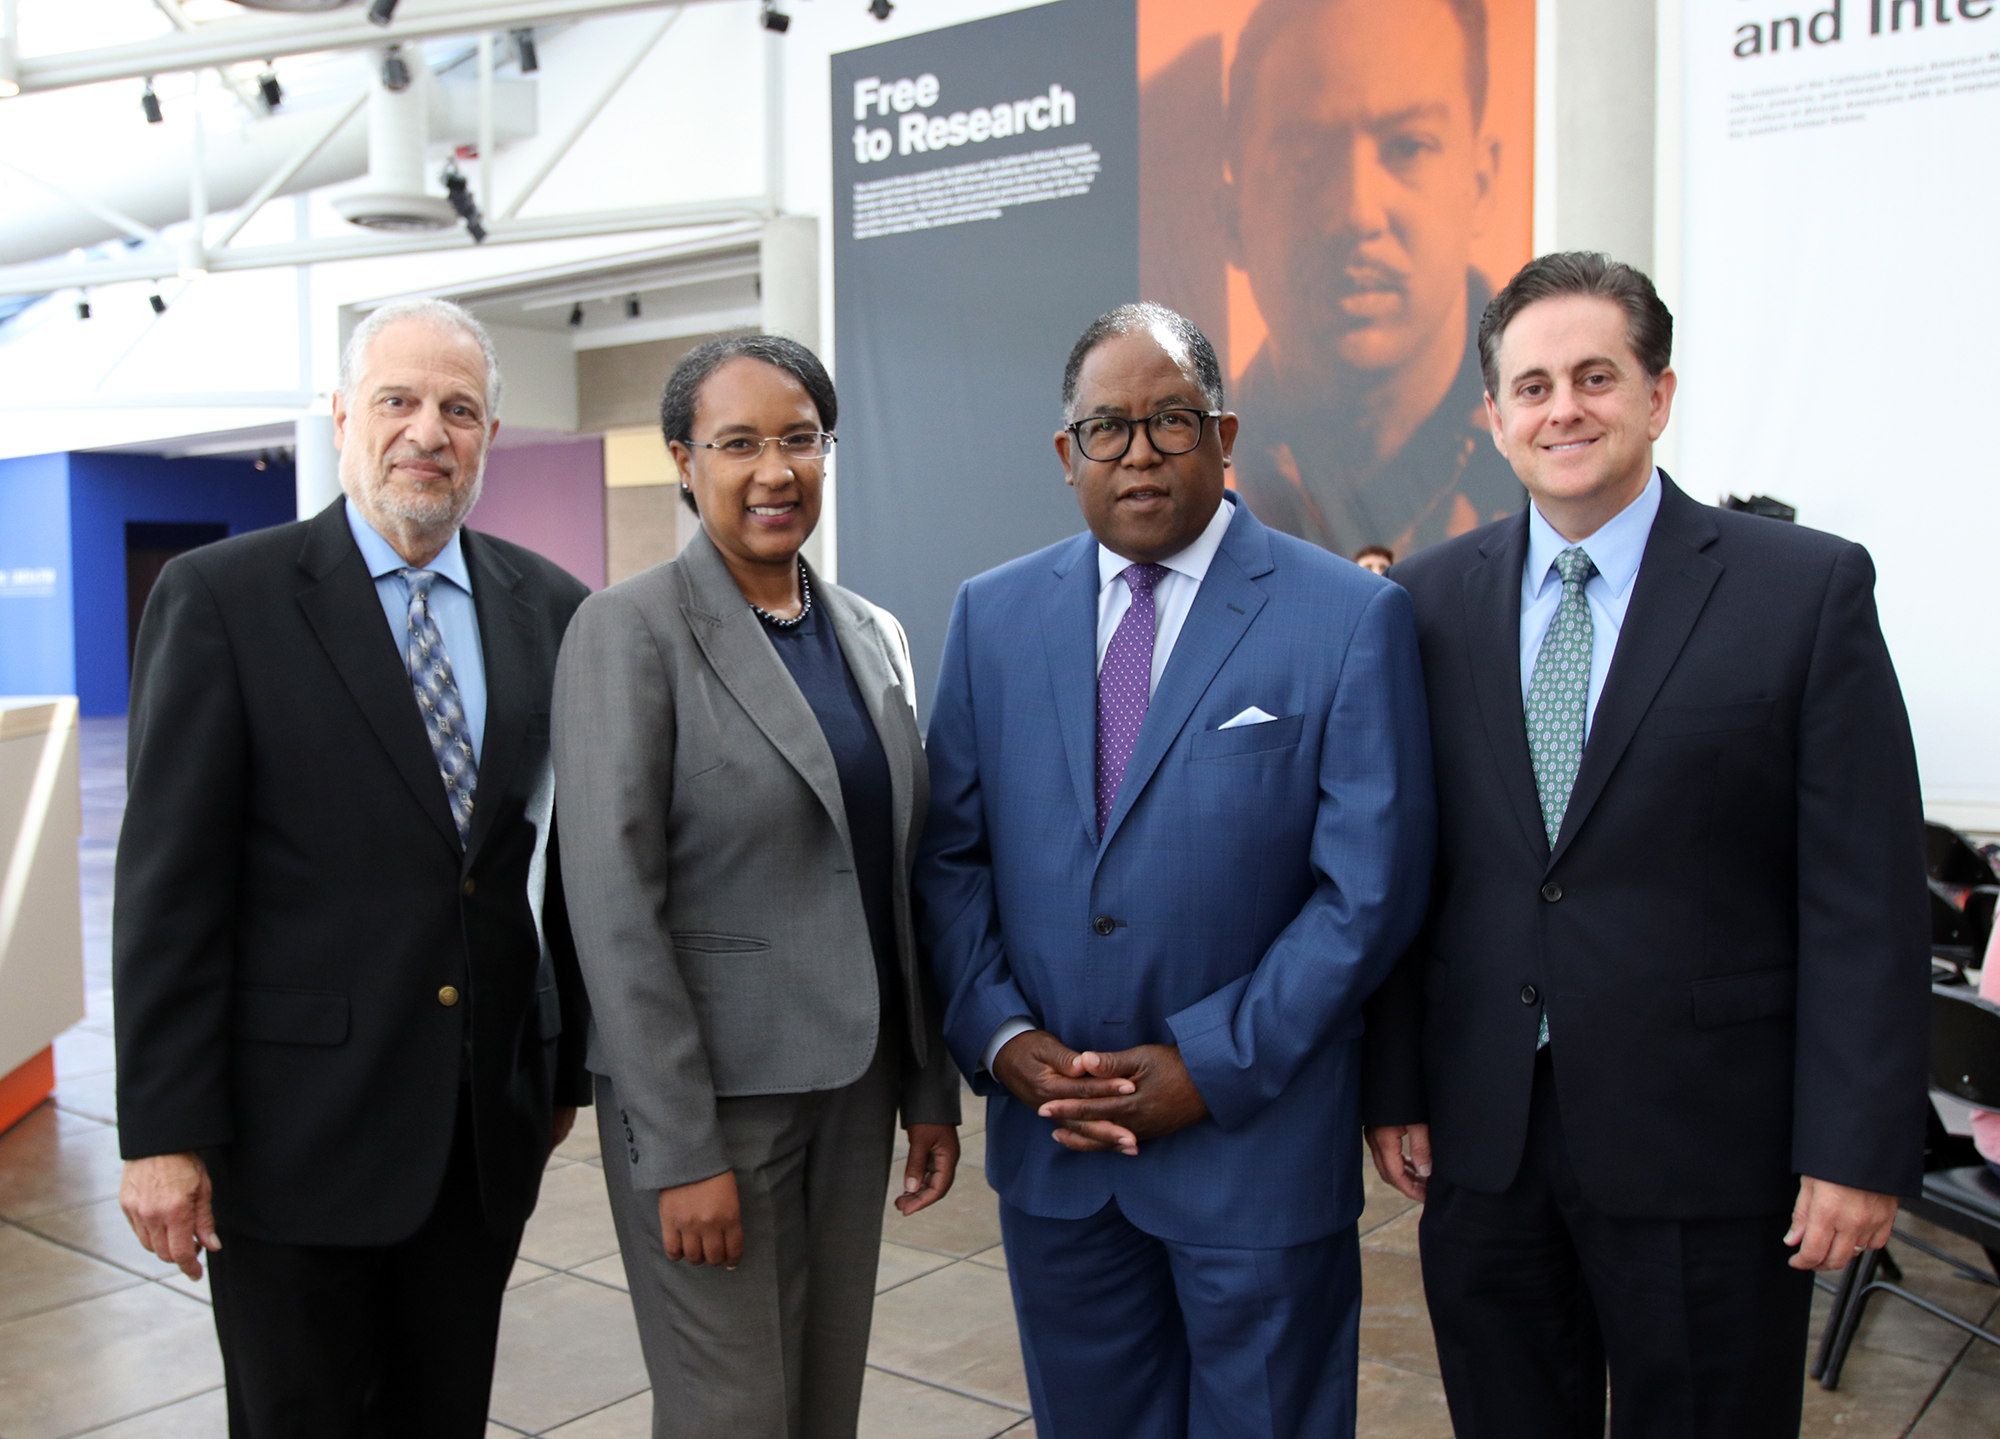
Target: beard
{"type": "Point", "coordinates": [433, 508]}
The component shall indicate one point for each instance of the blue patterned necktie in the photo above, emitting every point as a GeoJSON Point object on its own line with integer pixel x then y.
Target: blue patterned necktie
{"type": "Point", "coordinates": [1559, 701]}
{"type": "Point", "coordinates": [1125, 685]}
{"type": "Point", "coordinates": [438, 702]}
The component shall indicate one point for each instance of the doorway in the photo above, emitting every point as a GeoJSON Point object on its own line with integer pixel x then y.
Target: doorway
{"type": "Point", "coordinates": [148, 546]}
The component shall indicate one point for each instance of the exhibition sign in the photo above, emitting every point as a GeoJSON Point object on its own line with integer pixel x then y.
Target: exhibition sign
{"type": "Point", "coordinates": [1330, 188]}
{"type": "Point", "coordinates": [1835, 344]}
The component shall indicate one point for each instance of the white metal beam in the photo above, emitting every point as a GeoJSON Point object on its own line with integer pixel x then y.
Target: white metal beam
{"type": "Point", "coordinates": [117, 219]}
{"type": "Point", "coordinates": [40, 279]}
{"type": "Point", "coordinates": [238, 41]}
{"type": "Point", "coordinates": [300, 159]}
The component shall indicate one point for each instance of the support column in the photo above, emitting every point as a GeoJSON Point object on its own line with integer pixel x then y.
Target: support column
{"type": "Point", "coordinates": [316, 464]}
{"type": "Point", "coordinates": [788, 266]}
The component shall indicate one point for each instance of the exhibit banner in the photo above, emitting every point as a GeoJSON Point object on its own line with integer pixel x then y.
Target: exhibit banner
{"type": "Point", "coordinates": [1331, 189]}
{"type": "Point", "coordinates": [1835, 343]}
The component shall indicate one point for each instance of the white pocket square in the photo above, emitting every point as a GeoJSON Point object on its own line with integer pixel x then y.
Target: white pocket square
{"type": "Point", "coordinates": [1253, 715]}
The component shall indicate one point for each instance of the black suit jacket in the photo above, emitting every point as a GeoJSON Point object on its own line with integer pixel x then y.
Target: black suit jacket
{"type": "Point", "coordinates": [1730, 935]}
{"type": "Point", "coordinates": [292, 896]}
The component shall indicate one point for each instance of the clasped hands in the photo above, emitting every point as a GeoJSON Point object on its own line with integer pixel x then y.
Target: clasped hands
{"type": "Point", "coordinates": [1100, 1099]}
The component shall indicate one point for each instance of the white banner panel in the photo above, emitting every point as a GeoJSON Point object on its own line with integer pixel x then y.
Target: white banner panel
{"type": "Point", "coordinates": [1839, 331]}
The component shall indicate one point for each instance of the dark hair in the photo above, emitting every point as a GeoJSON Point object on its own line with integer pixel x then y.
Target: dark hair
{"type": "Point", "coordinates": [1269, 20]}
{"type": "Point", "coordinates": [1366, 550]}
{"type": "Point", "coordinates": [677, 402]}
{"type": "Point", "coordinates": [1649, 325]}
{"type": "Point", "coordinates": [1170, 327]}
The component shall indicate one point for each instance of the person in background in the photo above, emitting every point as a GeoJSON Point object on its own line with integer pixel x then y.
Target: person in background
{"type": "Point", "coordinates": [1361, 171]}
{"type": "Point", "coordinates": [350, 1022]}
{"type": "Point", "coordinates": [1376, 559]}
{"type": "Point", "coordinates": [743, 786]}
{"type": "Point", "coordinates": [1986, 1122]}
{"type": "Point", "coordinates": [1180, 828]}
{"type": "Point", "coordinates": [1659, 1054]}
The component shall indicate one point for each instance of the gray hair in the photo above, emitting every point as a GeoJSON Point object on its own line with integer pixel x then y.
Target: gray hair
{"type": "Point", "coordinates": [1175, 333]}
{"type": "Point", "coordinates": [441, 313]}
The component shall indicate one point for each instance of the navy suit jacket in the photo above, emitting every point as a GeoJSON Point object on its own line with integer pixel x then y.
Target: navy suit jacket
{"type": "Point", "coordinates": [1252, 887]}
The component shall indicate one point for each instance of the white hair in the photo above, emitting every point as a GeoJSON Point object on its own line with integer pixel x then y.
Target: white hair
{"type": "Point", "coordinates": [441, 313]}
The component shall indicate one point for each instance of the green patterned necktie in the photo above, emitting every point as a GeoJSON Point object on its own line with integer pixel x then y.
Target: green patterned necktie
{"type": "Point", "coordinates": [1559, 702]}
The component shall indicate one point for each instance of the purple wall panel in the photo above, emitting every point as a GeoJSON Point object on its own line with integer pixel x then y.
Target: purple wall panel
{"type": "Point", "coordinates": [551, 499]}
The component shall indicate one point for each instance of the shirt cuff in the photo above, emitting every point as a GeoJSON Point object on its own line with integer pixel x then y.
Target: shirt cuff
{"type": "Point", "coordinates": [1019, 1024]}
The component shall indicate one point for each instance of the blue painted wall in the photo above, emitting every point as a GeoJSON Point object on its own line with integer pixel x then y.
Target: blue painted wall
{"type": "Point", "coordinates": [37, 650]}
{"type": "Point", "coordinates": [106, 491]}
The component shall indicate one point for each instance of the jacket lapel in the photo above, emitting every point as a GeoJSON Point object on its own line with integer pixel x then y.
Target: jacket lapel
{"type": "Point", "coordinates": [341, 606]}
{"type": "Point", "coordinates": [1069, 631]}
{"type": "Point", "coordinates": [1223, 609]}
{"type": "Point", "coordinates": [732, 640]}
{"type": "Point", "coordinates": [506, 626]}
{"type": "Point", "coordinates": [1493, 646]}
{"type": "Point", "coordinates": [862, 644]}
{"type": "Point", "coordinates": [1673, 585]}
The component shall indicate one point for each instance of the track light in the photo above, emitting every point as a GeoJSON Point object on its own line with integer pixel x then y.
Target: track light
{"type": "Point", "coordinates": [269, 88]}
{"type": "Point", "coordinates": [83, 305]}
{"type": "Point", "coordinates": [382, 11]}
{"type": "Point", "coordinates": [395, 71]}
{"type": "Point", "coordinates": [524, 51]}
{"type": "Point", "coordinates": [159, 305]}
{"type": "Point", "coordinates": [774, 19]}
{"type": "Point", "coordinates": [460, 194]}
{"type": "Point", "coordinates": [150, 103]}
{"type": "Point", "coordinates": [576, 315]}
{"type": "Point", "coordinates": [631, 307]}
{"type": "Point", "coordinates": [880, 9]}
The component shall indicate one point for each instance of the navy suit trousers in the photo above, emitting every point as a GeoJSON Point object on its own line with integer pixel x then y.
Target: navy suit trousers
{"type": "Point", "coordinates": [1143, 1338]}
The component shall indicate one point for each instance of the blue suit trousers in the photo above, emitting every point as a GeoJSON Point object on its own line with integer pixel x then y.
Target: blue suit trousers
{"type": "Point", "coordinates": [1128, 1335]}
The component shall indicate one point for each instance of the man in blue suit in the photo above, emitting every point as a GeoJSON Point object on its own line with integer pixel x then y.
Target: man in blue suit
{"type": "Point", "coordinates": [1180, 829]}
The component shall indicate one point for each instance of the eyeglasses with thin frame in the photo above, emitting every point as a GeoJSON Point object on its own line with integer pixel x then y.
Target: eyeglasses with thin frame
{"type": "Point", "coordinates": [1172, 432]}
{"type": "Point", "coordinates": [747, 449]}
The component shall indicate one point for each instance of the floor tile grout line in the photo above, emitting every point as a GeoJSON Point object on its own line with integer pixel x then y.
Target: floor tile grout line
{"type": "Point", "coordinates": [946, 1388]}
{"type": "Point", "coordinates": [140, 1413]}
{"type": "Point", "coordinates": [585, 1414]}
{"type": "Point", "coordinates": [949, 1263]}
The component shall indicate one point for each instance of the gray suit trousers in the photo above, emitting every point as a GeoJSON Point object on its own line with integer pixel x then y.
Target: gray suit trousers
{"type": "Point", "coordinates": [774, 1349]}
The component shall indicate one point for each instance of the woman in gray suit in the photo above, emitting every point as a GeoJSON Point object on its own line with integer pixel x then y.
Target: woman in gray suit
{"type": "Point", "coordinates": [742, 783]}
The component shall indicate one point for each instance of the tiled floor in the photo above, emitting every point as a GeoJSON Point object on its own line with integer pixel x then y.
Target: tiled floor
{"type": "Point", "coordinates": [97, 1337]}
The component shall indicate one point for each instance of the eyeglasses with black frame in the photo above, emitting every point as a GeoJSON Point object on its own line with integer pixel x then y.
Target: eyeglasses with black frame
{"type": "Point", "coordinates": [747, 449]}
{"type": "Point", "coordinates": [1172, 432]}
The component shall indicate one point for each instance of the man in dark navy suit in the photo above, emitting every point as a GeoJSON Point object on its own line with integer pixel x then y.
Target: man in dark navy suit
{"type": "Point", "coordinates": [1180, 828]}
{"type": "Point", "coordinates": [1658, 1053]}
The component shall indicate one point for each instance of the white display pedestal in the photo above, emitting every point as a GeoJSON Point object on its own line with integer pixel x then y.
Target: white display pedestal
{"type": "Point", "coordinates": [41, 914]}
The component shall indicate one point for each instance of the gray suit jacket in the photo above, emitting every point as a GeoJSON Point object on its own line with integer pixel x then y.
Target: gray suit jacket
{"type": "Point", "coordinates": [707, 862]}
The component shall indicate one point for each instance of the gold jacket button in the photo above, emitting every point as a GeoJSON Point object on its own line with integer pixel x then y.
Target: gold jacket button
{"type": "Point", "coordinates": [448, 996]}
{"type": "Point", "coordinates": [467, 888]}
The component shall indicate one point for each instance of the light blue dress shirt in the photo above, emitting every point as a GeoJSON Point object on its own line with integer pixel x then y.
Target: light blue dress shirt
{"type": "Point", "coordinates": [1615, 550]}
{"type": "Point", "coordinates": [451, 606]}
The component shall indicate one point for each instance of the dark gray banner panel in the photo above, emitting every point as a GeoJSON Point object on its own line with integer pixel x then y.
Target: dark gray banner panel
{"type": "Point", "coordinates": [985, 183]}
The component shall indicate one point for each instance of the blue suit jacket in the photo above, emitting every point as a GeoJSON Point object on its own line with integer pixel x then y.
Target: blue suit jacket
{"type": "Point", "coordinates": [1260, 881]}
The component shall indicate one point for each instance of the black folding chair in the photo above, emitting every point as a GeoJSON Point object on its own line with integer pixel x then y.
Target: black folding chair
{"type": "Point", "coordinates": [1964, 1199]}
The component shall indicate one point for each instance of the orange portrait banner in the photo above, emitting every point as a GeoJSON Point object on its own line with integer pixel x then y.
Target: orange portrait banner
{"type": "Point", "coordinates": [1332, 189]}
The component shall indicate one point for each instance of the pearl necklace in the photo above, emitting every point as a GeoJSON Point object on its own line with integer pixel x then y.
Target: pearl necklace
{"type": "Point", "coordinates": [805, 605]}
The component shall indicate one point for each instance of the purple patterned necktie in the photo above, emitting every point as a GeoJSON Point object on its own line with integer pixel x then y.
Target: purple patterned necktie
{"type": "Point", "coordinates": [1125, 686]}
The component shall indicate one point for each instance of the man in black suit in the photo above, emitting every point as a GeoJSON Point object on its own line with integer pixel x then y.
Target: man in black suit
{"type": "Point", "coordinates": [350, 1020]}
{"type": "Point", "coordinates": [1667, 1015]}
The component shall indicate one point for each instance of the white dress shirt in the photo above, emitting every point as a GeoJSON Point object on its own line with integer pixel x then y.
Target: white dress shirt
{"type": "Point", "coordinates": [1615, 550]}
{"type": "Point", "coordinates": [451, 607]}
{"type": "Point", "coordinates": [1173, 597]}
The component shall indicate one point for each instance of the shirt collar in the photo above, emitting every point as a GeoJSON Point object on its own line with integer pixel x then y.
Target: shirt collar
{"type": "Point", "coordinates": [1615, 549]}
{"type": "Point", "coordinates": [381, 557]}
{"type": "Point", "coordinates": [1192, 561]}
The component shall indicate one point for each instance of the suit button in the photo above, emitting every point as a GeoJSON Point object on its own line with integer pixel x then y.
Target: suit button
{"type": "Point", "coordinates": [1530, 995]}
{"type": "Point", "coordinates": [467, 888]}
{"type": "Point", "coordinates": [1552, 891]}
{"type": "Point", "coordinates": [1104, 924]}
{"type": "Point", "coordinates": [447, 996]}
